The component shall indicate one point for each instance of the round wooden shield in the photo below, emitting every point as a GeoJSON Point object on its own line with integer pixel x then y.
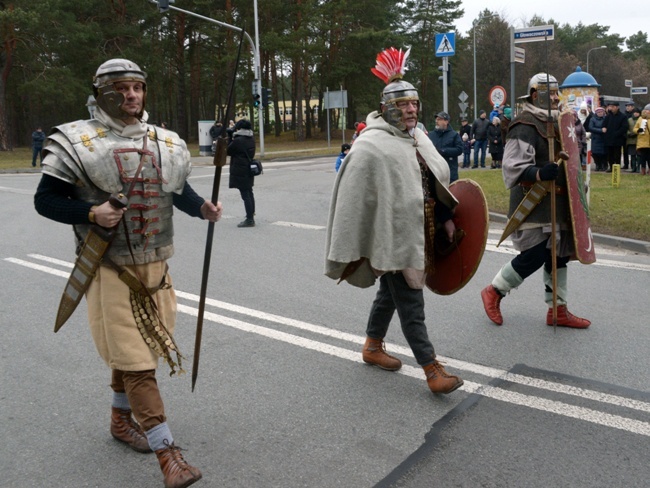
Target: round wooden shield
{"type": "Point", "coordinates": [455, 266]}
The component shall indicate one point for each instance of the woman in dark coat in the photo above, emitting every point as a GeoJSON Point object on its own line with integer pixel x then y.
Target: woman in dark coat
{"type": "Point", "coordinates": [496, 142]}
{"type": "Point", "coordinates": [598, 151]}
{"type": "Point", "coordinates": [241, 151]}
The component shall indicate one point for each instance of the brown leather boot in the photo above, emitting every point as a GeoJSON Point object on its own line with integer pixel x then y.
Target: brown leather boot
{"type": "Point", "coordinates": [566, 319]}
{"type": "Point", "coordinates": [491, 302]}
{"type": "Point", "coordinates": [439, 380]}
{"type": "Point", "coordinates": [177, 473]}
{"type": "Point", "coordinates": [125, 429]}
{"type": "Point", "coordinates": [374, 352]}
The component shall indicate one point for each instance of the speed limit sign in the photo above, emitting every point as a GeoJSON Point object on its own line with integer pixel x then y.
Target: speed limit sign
{"type": "Point", "coordinates": [497, 95]}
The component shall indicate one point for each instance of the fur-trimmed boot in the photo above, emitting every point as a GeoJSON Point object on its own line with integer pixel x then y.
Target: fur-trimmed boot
{"type": "Point", "coordinates": [374, 352]}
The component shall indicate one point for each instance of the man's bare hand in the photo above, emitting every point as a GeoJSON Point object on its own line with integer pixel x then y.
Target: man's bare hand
{"type": "Point", "coordinates": [450, 229]}
{"type": "Point", "coordinates": [107, 215]}
{"type": "Point", "coordinates": [211, 212]}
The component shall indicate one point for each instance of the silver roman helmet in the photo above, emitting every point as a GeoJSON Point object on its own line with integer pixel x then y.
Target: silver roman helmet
{"type": "Point", "coordinates": [390, 68]}
{"type": "Point", "coordinates": [541, 83]}
{"type": "Point", "coordinates": [109, 73]}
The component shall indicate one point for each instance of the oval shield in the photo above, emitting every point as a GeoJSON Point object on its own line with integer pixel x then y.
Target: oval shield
{"type": "Point", "coordinates": [456, 264]}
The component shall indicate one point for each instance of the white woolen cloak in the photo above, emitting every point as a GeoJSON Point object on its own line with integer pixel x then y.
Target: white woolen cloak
{"type": "Point", "coordinates": [377, 206]}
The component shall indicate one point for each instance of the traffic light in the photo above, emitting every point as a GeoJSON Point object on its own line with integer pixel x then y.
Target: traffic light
{"type": "Point", "coordinates": [441, 78]}
{"type": "Point", "coordinates": [163, 5]}
{"type": "Point", "coordinates": [256, 100]}
{"type": "Point", "coordinates": [266, 97]}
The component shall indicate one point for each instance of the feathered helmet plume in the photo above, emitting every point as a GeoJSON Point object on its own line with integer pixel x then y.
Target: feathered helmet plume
{"type": "Point", "coordinates": [390, 68]}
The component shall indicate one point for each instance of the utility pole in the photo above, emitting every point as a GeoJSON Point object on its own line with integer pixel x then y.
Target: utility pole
{"type": "Point", "coordinates": [164, 5]}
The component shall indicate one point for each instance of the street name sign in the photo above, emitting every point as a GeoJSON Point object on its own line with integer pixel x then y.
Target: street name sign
{"type": "Point", "coordinates": [534, 34]}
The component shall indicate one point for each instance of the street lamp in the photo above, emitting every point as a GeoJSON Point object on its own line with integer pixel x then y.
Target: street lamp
{"type": "Point", "coordinates": [474, 24]}
{"type": "Point", "coordinates": [593, 49]}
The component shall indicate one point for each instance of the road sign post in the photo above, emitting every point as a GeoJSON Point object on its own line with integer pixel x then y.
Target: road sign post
{"type": "Point", "coordinates": [445, 47]}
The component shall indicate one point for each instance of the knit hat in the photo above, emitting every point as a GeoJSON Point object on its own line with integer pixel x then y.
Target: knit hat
{"type": "Point", "coordinates": [507, 113]}
{"type": "Point", "coordinates": [599, 109]}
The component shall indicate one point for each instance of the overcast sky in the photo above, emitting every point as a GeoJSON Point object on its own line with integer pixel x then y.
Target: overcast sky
{"type": "Point", "coordinates": [625, 19]}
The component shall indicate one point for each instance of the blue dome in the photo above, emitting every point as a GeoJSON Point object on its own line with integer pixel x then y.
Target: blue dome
{"type": "Point", "coordinates": [579, 78]}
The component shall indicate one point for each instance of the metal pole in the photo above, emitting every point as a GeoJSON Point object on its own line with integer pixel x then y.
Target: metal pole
{"type": "Point", "coordinates": [255, 47]}
{"type": "Point", "coordinates": [474, 100]}
{"type": "Point", "coordinates": [588, 52]}
{"type": "Point", "coordinates": [474, 24]}
{"type": "Point", "coordinates": [445, 74]}
{"type": "Point", "coordinates": [512, 68]}
{"type": "Point", "coordinates": [258, 75]}
{"type": "Point", "coordinates": [327, 104]}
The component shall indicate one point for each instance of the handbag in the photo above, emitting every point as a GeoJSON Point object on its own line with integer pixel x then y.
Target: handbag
{"type": "Point", "coordinates": [254, 166]}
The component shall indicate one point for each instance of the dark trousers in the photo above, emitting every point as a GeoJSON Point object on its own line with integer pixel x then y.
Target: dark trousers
{"type": "Point", "coordinates": [601, 161]}
{"type": "Point", "coordinates": [141, 389]}
{"type": "Point", "coordinates": [395, 294]}
{"type": "Point", "coordinates": [613, 155]}
{"type": "Point", "coordinates": [37, 152]}
{"type": "Point", "coordinates": [643, 158]}
{"type": "Point", "coordinates": [482, 146]}
{"type": "Point", "coordinates": [530, 260]}
{"type": "Point", "coordinates": [249, 202]}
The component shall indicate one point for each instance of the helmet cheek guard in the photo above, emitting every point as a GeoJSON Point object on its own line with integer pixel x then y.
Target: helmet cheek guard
{"type": "Point", "coordinates": [393, 116]}
{"type": "Point", "coordinates": [111, 72]}
{"type": "Point", "coordinates": [542, 83]}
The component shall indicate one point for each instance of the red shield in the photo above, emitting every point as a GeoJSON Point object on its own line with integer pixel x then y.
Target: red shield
{"type": "Point", "coordinates": [455, 267]}
{"type": "Point", "coordinates": [583, 239]}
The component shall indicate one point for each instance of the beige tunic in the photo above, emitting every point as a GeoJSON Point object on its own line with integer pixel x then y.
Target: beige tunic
{"type": "Point", "coordinates": [111, 319]}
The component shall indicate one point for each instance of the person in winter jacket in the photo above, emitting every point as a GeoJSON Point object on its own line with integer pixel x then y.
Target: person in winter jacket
{"type": "Point", "coordinates": [642, 130]}
{"type": "Point", "coordinates": [581, 136]}
{"type": "Point", "coordinates": [345, 149]}
{"type": "Point", "coordinates": [615, 129]}
{"type": "Point", "coordinates": [242, 151]}
{"type": "Point", "coordinates": [479, 138]}
{"type": "Point", "coordinates": [448, 143]}
{"type": "Point", "coordinates": [598, 139]}
{"type": "Point", "coordinates": [496, 142]}
{"type": "Point", "coordinates": [631, 139]}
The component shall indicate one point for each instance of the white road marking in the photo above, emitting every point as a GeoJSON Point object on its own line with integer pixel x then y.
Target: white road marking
{"type": "Point", "coordinates": [38, 267]}
{"type": "Point", "coordinates": [16, 190]}
{"type": "Point", "coordinates": [538, 403]}
{"type": "Point", "coordinates": [515, 398]}
{"type": "Point", "coordinates": [300, 226]}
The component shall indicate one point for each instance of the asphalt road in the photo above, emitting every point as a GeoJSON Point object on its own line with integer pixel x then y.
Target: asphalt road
{"type": "Point", "coordinates": [283, 398]}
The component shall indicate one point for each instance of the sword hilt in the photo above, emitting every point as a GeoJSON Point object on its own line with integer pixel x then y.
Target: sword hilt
{"type": "Point", "coordinates": [118, 200]}
{"type": "Point", "coordinates": [564, 156]}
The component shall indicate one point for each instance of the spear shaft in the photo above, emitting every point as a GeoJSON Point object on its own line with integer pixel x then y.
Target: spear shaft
{"type": "Point", "coordinates": [219, 163]}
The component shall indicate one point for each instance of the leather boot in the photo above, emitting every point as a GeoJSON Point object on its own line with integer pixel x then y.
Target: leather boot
{"type": "Point", "coordinates": [125, 429]}
{"type": "Point", "coordinates": [491, 301]}
{"type": "Point", "coordinates": [439, 380]}
{"type": "Point", "coordinates": [177, 473]}
{"type": "Point", "coordinates": [566, 319]}
{"type": "Point", "coordinates": [374, 352]}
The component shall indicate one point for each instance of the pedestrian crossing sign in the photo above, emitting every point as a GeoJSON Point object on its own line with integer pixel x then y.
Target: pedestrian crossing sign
{"type": "Point", "coordinates": [445, 44]}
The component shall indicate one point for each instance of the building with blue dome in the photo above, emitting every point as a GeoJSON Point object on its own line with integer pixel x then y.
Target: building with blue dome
{"type": "Point", "coordinates": [579, 87]}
